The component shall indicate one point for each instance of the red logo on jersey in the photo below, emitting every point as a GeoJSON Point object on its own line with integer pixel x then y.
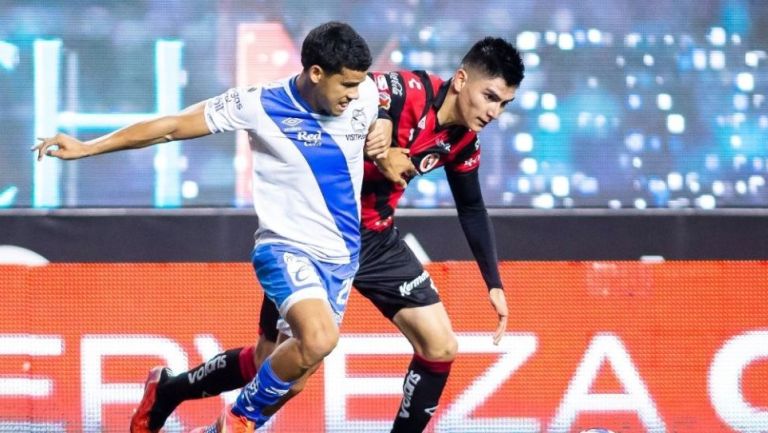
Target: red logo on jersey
{"type": "Point", "coordinates": [384, 100]}
{"type": "Point", "coordinates": [428, 162]}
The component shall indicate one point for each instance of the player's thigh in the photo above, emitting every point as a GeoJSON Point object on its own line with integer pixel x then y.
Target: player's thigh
{"type": "Point", "coordinates": [391, 276]}
{"type": "Point", "coordinates": [312, 319]}
{"type": "Point", "coordinates": [429, 330]}
{"type": "Point", "coordinates": [292, 279]}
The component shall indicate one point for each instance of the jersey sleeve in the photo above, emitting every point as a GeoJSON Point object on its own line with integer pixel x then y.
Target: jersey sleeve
{"type": "Point", "coordinates": [467, 159]}
{"type": "Point", "coordinates": [368, 96]}
{"type": "Point", "coordinates": [235, 109]}
{"type": "Point", "coordinates": [391, 94]}
{"type": "Point", "coordinates": [476, 224]}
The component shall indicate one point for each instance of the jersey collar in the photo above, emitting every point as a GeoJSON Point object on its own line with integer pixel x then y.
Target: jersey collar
{"type": "Point", "coordinates": [297, 96]}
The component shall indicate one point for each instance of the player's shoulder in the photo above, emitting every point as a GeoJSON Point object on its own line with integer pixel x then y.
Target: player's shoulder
{"type": "Point", "coordinates": [255, 90]}
{"type": "Point", "coordinates": [368, 85]}
{"type": "Point", "coordinates": [369, 94]}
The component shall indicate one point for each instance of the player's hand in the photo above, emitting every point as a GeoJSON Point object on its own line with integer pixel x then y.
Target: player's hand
{"type": "Point", "coordinates": [499, 303]}
{"type": "Point", "coordinates": [61, 146]}
{"type": "Point", "coordinates": [379, 139]}
{"type": "Point", "coordinates": [397, 166]}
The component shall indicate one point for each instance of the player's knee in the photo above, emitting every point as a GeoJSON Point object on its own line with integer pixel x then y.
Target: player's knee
{"type": "Point", "coordinates": [297, 387]}
{"type": "Point", "coordinates": [316, 346]}
{"type": "Point", "coordinates": [441, 349]}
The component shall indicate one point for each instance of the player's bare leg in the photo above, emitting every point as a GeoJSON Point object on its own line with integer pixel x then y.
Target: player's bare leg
{"type": "Point", "coordinates": [315, 334]}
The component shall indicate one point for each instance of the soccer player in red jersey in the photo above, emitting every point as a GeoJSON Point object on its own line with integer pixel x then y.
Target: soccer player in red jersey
{"type": "Point", "coordinates": [434, 123]}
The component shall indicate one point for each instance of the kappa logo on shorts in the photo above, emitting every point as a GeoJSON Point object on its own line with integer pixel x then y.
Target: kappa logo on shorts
{"type": "Point", "coordinates": [407, 288]}
{"type": "Point", "coordinates": [301, 271]}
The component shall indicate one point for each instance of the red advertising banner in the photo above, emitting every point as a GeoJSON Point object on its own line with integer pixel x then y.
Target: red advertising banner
{"type": "Point", "coordinates": [634, 347]}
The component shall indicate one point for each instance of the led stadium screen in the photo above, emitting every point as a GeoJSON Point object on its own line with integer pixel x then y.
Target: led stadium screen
{"type": "Point", "coordinates": [625, 104]}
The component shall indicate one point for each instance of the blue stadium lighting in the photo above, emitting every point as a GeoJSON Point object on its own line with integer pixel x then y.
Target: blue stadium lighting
{"type": "Point", "coordinates": [168, 76]}
{"type": "Point", "coordinates": [8, 196]}
{"type": "Point", "coordinates": [48, 121]}
{"type": "Point", "coordinates": [46, 173]}
{"type": "Point", "coordinates": [9, 56]}
{"type": "Point", "coordinates": [631, 94]}
{"type": "Point", "coordinates": [96, 121]}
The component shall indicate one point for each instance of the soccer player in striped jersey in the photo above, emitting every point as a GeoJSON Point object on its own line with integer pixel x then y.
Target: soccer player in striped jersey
{"type": "Point", "coordinates": [307, 133]}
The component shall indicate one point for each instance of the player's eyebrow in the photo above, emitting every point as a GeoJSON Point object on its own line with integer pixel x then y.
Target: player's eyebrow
{"type": "Point", "coordinates": [493, 94]}
{"type": "Point", "coordinates": [351, 83]}
{"type": "Point", "coordinates": [496, 98]}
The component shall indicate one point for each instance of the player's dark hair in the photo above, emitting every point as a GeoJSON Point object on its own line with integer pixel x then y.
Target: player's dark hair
{"type": "Point", "coordinates": [335, 45]}
{"type": "Point", "coordinates": [496, 58]}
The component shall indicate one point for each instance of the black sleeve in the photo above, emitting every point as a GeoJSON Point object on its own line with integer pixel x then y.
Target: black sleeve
{"type": "Point", "coordinates": [476, 224]}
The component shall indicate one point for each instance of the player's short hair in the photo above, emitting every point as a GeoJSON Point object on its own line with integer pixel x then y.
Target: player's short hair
{"type": "Point", "coordinates": [333, 46]}
{"type": "Point", "coordinates": [497, 58]}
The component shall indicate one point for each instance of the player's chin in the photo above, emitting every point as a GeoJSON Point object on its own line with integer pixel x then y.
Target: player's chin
{"type": "Point", "coordinates": [478, 125]}
{"type": "Point", "coordinates": [340, 108]}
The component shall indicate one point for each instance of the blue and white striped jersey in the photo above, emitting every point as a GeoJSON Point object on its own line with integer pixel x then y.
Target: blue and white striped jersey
{"type": "Point", "coordinates": [307, 167]}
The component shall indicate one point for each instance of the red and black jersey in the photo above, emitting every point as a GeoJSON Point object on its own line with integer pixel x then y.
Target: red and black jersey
{"type": "Point", "coordinates": [411, 100]}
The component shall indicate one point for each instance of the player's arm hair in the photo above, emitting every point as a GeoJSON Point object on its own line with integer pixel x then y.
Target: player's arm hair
{"type": "Point", "coordinates": [189, 123]}
{"type": "Point", "coordinates": [476, 223]}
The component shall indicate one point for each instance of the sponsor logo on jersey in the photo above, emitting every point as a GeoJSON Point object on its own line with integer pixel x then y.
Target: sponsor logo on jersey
{"type": "Point", "coordinates": [359, 120]}
{"type": "Point", "coordinates": [407, 288]}
{"type": "Point", "coordinates": [397, 86]}
{"type": "Point", "coordinates": [292, 124]}
{"type": "Point", "coordinates": [218, 103]}
{"type": "Point", "coordinates": [310, 139]}
{"type": "Point", "coordinates": [429, 162]}
{"type": "Point", "coordinates": [473, 161]}
{"type": "Point", "coordinates": [385, 101]}
{"type": "Point", "coordinates": [355, 137]}
{"type": "Point", "coordinates": [233, 96]}
{"type": "Point", "coordinates": [422, 122]}
{"type": "Point", "coordinates": [381, 82]}
{"type": "Point", "coordinates": [301, 271]}
{"type": "Point", "coordinates": [443, 145]}
{"type": "Point", "coordinates": [409, 387]}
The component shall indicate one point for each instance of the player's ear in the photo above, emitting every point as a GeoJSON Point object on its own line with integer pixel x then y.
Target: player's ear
{"type": "Point", "coordinates": [316, 73]}
{"type": "Point", "coordinates": [460, 78]}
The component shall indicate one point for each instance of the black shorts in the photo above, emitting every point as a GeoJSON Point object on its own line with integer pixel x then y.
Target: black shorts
{"type": "Point", "coordinates": [390, 276]}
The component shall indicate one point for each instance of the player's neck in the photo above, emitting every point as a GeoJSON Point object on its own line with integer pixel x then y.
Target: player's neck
{"type": "Point", "coordinates": [447, 114]}
{"type": "Point", "coordinates": [307, 91]}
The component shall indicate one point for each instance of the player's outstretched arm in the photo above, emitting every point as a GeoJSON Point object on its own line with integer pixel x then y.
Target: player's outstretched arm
{"type": "Point", "coordinates": [478, 230]}
{"type": "Point", "coordinates": [189, 123]}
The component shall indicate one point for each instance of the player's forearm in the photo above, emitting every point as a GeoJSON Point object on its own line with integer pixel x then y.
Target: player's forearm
{"type": "Point", "coordinates": [476, 224]}
{"type": "Point", "coordinates": [136, 136]}
{"type": "Point", "coordinates": [478, 231]}
{"type": "Point", "coordinates": [189, 123]}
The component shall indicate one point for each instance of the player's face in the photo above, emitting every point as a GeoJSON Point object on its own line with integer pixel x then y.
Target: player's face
{"type": "Point", "coordinates": [481, 99]}
{"type": "Point", "coordinates": [336, 91]}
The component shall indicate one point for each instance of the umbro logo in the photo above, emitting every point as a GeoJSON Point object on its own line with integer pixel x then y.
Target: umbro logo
{"type": "Point", "coordinates": [291, 124]}
{"type": "Point", "coordinates": [291, 121]}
